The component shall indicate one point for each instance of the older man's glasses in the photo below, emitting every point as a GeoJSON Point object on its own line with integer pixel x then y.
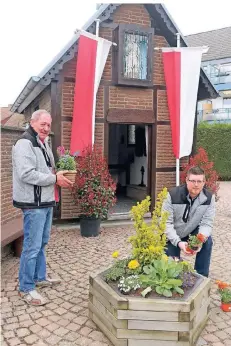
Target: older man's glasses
{"type": "Point", "coordinates": [196, 182]}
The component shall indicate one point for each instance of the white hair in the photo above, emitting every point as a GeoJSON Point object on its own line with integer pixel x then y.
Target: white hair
{"type": "Point", "coordinates": [37, 114]}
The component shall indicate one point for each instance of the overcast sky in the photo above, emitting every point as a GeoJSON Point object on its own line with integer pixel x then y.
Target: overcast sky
{"type": "Point", "coordinates": [33, 32]}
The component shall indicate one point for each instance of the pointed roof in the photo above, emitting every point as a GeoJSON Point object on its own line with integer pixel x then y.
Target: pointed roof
{"type": "Point", "coordinates": [37, 84]}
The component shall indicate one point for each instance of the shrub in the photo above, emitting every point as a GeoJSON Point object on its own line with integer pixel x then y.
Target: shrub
{"type": "Point", "coordinates": [216, 140]}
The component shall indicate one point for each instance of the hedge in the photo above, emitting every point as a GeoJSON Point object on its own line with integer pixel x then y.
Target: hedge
{"type": "Point", "coordinates": [216, 140]}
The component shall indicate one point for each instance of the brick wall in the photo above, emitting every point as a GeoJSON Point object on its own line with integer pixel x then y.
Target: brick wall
{"type": "Point", "coordinates": [132, 14]}
{"type": "Point", "coordinates": [8, 138]}
{"type": "Point", "coordinates": [43, 101]}
{"type": "Point", "coordinates": [130, 98]}
{"type": "Point", "coordinates": [158, 67]}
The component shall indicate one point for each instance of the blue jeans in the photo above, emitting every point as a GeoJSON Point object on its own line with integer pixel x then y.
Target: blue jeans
{"type": "Point", "coordinates": [203, 257]}
{"type": "Point", "coordinates": [37, 227]}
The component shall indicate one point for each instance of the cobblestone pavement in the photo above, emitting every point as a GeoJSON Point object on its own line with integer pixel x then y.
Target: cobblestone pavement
{"type": "Point", "coordinates": [64, 321]}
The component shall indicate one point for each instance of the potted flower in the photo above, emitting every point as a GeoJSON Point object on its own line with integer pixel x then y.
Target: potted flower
{"type": "Point", "coordinates": [66, 162]}
{"type": "Point", "coordinates": [225, 294]}
{"type": "Point", "coordinates": [93, 191]}
{"type": "Point", "coordinates": [195, 242]}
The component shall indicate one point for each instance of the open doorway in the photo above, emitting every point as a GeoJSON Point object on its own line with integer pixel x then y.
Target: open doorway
{"type": "Point", "coordinates": [128, 164]}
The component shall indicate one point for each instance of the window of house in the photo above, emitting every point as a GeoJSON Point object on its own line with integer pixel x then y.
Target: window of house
{"type": "Point", "coordinates": [132, 58]}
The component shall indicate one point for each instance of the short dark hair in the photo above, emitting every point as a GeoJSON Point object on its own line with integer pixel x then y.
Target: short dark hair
{"type": "Point", "coordinates": [196, 170]}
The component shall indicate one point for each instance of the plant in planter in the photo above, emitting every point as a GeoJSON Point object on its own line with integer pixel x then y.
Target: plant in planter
{"type": "Point", "coordinates": [66, 162]}
{"type": "Point", "coordinates": [93, 191]}
{"type": "Point", "coordinates": [148, 269]}
{"type": "Point", "coordinates": [224, 290]}
{"type": "Point", "coordinates": [195, 242]}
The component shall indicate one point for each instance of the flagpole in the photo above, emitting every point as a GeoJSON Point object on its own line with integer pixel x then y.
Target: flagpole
{"type": "Point", "coordinates": [178, 160]}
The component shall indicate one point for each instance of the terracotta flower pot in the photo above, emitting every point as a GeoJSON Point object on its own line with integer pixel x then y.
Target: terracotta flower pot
{"type": "Point", "coordinates": [188, 249]}
{"type": "Point", "coordinates": [226, 307]}
{"type": "Point", "coordinates": [70, 175]}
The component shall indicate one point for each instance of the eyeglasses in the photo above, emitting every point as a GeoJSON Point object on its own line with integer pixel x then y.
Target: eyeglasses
{"type": "Point", "coordinates": [194, 182]}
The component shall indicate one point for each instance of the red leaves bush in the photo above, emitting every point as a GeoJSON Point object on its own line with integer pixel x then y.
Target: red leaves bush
{"type": "Point", "coordinates": [201, 160]}
{"type": "Point", "coordinates": [94, 188]}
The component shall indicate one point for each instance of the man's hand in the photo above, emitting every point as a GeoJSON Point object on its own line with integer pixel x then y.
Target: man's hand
{"type": "Point", "coordinates": [62, 181]}
{"type": "Point", "coordinates": [182, 245]}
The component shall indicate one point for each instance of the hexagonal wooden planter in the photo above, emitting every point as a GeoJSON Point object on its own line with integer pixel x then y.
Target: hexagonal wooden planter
{"type": "Point", "coordinates": [137, 321]}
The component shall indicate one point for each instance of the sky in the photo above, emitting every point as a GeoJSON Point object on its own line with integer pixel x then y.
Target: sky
{"type": "Point", "coordinates": [33, 32]}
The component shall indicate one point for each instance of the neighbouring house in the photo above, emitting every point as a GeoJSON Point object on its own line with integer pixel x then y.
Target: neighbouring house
{"type": "Point", "coordinates": [217, 65]}
{"type": "Point", "coordinates": [132, 119]}
{"type": "Point", "coordinates": [8, 118]}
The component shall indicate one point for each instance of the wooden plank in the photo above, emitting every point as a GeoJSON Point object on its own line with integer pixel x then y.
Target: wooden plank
{"type": "Point", "coordinates": [157, 305]}
{"type": "Point", "coordinates": [147, 315]}
{"type": "Point", "coordinates": [105, 290]}
{"type": "Point", "coordinates": [103, 301]}
{"type": "Point", "coordinates": [114, 321]}
{"type": "Point", "coordinates": [133, 342]}
{"type": "Point", "coordinates": [102, 326]}
{"type": "Point", "coordinates": [159, 325]}
{"type": "Point", "coordinates": [147, 334]}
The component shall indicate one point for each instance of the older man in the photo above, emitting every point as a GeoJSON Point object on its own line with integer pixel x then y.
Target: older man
{"type": "Point", "coordinates": [34, 181]}
{"type": "Point", "coordinates": [191, 210]}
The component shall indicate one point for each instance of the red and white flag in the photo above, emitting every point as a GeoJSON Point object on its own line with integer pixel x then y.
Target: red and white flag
{"type": "Point", "coordinates": [182, 73]}
{"type": "Point", "coordinates": [91, 59]}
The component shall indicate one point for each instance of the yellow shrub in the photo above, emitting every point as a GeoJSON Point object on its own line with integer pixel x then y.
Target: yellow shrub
{"type": "Point", "coordinates": [150, 239]}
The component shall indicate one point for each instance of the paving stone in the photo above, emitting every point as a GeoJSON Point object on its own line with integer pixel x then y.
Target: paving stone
{"type": "Point", "coordinates": [71, 336]}
{"type": "Point", "coordinates": [82, 341]}
{"type": "Point", "coordinates": [221, 335]}
{"type": "Point", "coordinates": [36, 315]}
{"type": "Point", "coordinates": [51, 327]}
{"type": "Point", "coordinates": [12, 320]}
{"type": "Point", "coordinates": [53, 340]}
{"type": "Point", "coordinates": [36, 328]}
{"type": "Point", "coordinates": [43, 322]}
{"type": "Point", "coordinates": [61, 331]}
{"type": "Point", "coordinates": [11, 326]}
{"type": "Point", "coordinates": [63, 322]}
{"type": "Point", "coordinates": [210, 338]}
{"type": "Point", "coordinates": [31, 339]}
{"type": "Point", "coordinates": [47, 313]}
{"type": "Point", "coordinates": [54, 318]}
{"type": "Point", "coordinates": [60, 311]}
{"type": "Point", "coordinates": [21, 332]}
{"type": "Point", "coordinates": [44, 333]}
{"type": "Point", "coordinates": [85, 331]}
{"type": "Point", "coordinates": [14, 341]}
{"type": "Point", "coordinates": [26, 324]}
{"type": "Point", "coordinates": [8, 335]}
{"type": "Point", "coordinates": [73, 327]}
{"type": "Point", "coordinates": [98, 336]}
{"type": "Point", "coordinates": [24, 317]}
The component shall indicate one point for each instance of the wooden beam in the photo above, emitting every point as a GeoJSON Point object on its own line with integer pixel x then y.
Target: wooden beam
{"type": "Point", "coordinates": [130, 116]}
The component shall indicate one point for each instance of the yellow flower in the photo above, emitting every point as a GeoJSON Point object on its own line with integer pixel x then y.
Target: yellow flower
{"type": "Point", "coordinates": [152, 248]}
{"type": "Point", "coordinates": [115, 254]}
{"type": "Point", "coordinates": [133, 264]}
{"type": "Point", "coordinates": [165, 257]}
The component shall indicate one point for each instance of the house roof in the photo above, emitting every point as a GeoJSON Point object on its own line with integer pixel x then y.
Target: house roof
{"type": "Point", "coordinates": [37, 84]}
{"type": "Point", "coordinates": [219, 42]}
{"type": "Point", "coordinates": [8, 118]}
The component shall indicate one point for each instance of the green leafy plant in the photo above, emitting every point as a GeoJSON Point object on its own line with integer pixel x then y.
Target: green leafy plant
{"type": "Point", "coordinates": [66, 161]}
{"type": "Point", "coordinates": [150, 240]}
{"type": "Point", "coordinates": [225, 295]}
{"type": "Point", "coordinates": [162, 276]}
{"type": "Point", "coordinates": [120, 269]}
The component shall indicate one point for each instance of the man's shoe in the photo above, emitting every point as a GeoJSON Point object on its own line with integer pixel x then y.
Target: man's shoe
{"type": "Point", "coordinates": [48, 282]}
{"type": "Point", "coordinates": [33, 298]}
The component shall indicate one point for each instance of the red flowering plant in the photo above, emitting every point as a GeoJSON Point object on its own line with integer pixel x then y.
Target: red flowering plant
{"type": "Point", "coordinates": [211, 176]}
{"type": "Point", "coordinates": [195, 242]}
{"type": "Point", "coordinates": [94, 188]}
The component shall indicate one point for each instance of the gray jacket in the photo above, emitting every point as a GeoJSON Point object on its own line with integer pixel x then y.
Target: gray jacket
{"type": "Point", "coordinates": [185, 216]}
{"type": "Point", "coordinates": [33, 180]}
